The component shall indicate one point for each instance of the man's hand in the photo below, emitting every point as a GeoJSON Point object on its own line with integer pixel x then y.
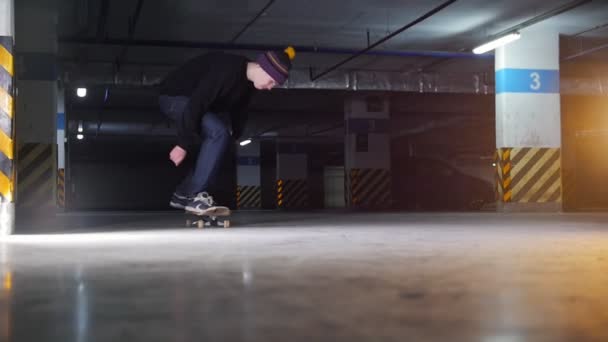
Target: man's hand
{"type": "Point", "coordinates": [177, 155]}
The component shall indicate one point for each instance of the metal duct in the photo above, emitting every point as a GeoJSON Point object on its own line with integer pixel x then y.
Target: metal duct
{"type": "Point", "coordinates": [357, 80]}
{"type": "Point", "coordinates": [121, 128]}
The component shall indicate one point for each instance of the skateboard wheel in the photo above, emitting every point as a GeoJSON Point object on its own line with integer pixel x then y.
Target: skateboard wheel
{"type": "Point", "coordinates": [226, 224]}
{"type": "Point", "coordinates": [201, 224]}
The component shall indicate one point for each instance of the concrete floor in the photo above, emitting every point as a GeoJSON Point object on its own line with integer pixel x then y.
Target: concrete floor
{"type": "Point", "coordinates": [308, 277]}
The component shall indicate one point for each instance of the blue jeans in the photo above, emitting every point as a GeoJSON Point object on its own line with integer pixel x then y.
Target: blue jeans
{"type": "Point", "coordinates": [215, 136]}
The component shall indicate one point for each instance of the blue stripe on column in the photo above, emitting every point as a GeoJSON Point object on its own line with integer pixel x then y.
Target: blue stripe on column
{"type": "Point", "coordinates": [540, 81]}
{"type": "Point", "coordinates": [60, 121]}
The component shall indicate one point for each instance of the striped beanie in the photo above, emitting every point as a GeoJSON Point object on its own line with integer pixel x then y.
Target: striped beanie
{"type": "Point", "coordinates": [277, 63]}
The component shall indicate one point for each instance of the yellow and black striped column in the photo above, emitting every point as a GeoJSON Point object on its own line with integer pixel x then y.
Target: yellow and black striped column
{"type": "Point", "coordinates": [7, 117]}
{"type": "Point", "coordinates": [370, 188]}
{"type": "Point", "coordinates": [35, 174]}
{"type": "Point", "coordinates": [249, 197]}
{"type": "Point", "coordinates": [503, 174]}
{"type": "Point", "coordinates": [529, 176]}
{"type": "Point", "coordinates": [292, 194]}
{"type": "Point", "coordinates": [61, 188]}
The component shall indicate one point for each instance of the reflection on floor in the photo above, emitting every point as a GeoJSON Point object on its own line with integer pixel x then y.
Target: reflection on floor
{"type": "Point", "coordinates": [307, 277]}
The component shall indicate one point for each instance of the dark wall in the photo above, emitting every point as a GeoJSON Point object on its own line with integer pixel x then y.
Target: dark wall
{"type": "Point", "coordinates": [432, 141]}
{"type": "Point", "coordinates": [584, 158]}
{"type": "Point", "coordinates": [123, 161]}
{"type": "Point", "coordinates": [120, 174]}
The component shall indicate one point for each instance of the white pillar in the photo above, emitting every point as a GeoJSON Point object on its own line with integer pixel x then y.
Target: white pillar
{"type": "Point", "coordinates": [249, 191]}
{"type": "Point", "coordinates": [7, 118]}
{"type": "Point", "coordinates": [292, 175]}
{"type": "Point", "coordinates": [61, 148]}
{"type": "Point", "coordinates": [367, 152]}
{"type": "Point", "coordinates": [60, 124]}
{"type": "Point", "coordinates": [36, 25]}
{"type": "Point", "coordinates": [528, 123]}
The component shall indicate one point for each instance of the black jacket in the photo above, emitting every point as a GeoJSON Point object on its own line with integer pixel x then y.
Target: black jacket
{"type": "Point", "coordinates": [214, 82]}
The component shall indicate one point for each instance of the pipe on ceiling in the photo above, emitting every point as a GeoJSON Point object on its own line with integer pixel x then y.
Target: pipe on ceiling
{"type": "Point", "coordinates": [353, 80]}
{"type": "Point", "coordinates": [595, 28]}
{"type": "Point", "coordinates": [541, 17]}
{"type": "Point", "coordinates": [264, 47]}
{"type": "Point", "coordinates": [534, 20]}
{"type": "Point", "coordinates": [358, 80]}
{"type": "Point", "coordinates": [585, 52]}
{"type": "Point", "coordinates": [386, 38]}
{"type": "Point", "coordinates": [103, 19]}
{"type": "Point", "coordinates": [260, 13]}
{"type": "Point", "coordinates": [133, 20]}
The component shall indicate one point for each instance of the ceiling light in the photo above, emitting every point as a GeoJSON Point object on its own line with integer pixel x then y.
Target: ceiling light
{"type": "Point", "coordinates": [81, 92]}
{"type": "Point", "coordinates": [497, 43]}
{"type": "Point", "coordinates": [80, 136]}
{"type": "Point", "coordinates": [245, 142]}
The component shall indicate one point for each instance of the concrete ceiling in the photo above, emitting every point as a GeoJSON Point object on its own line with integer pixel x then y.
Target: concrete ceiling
{"type": "Point", "coordinates": [324, 24]}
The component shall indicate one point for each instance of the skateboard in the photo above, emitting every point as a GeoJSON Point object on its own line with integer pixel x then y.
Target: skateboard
{"type": "Point", "coordinates": [215, 217]}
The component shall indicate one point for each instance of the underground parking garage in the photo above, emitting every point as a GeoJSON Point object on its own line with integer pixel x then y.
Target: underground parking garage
{"type": "Point", "coordinates": [327, 171]}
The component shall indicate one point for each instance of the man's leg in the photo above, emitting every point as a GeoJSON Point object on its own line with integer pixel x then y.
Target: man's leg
{"type": "Point", "coordinates": [216, 137]}
{"type": "Point", "coordinates": [181, 197]}
{"type": "Point", "coordinates": [183, 188]}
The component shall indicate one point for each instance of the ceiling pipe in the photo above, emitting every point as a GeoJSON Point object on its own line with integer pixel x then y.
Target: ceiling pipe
{"type": "Point", "coordinates": [520, 26]}
{"type": "Point", "coordinates": [260, 13]}
{"type": "Point", "coordinates": [264, 47]}
{"type": "Point", "coordinates": [132, 25]}
{"type": "Point", "coordinates": [386, 38]}
{"type": "Point", "coordinates": [585, 52]}
{"type": "Point", "coordinates": [541, 17]}
{"type": "Point", "coordinates": [598, 27]}
{"type": "Point", "coordinates": [103, 19]}
{"type": "Point", "coordinates": [352, 80]}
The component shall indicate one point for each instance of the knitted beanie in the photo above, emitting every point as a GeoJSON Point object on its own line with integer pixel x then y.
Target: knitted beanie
{"type": "Point", "coordinates": [277, 63]}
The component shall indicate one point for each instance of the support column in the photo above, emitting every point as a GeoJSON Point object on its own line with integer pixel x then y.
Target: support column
{"type": "Point", "coordinates": [528, 123]}
{"type": "Point", "coordinates": [292, 176]}
{"type": "Point", "coordinates": [249, 190]}
{"type": "Point", "coordinates": [61, 148]}
{"type": "Point", "coordinates": [7, 118]}
{"type": "Point", "coordinates": [367, 152]}
{"type": "Point", "coordinates": [36, 24]}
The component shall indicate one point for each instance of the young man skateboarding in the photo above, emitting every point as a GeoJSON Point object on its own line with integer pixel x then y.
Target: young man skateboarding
{"type": "Point", "coordinates": [194, 94]}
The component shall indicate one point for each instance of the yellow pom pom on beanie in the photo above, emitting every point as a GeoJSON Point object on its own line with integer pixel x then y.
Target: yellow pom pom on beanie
{"type": "Point", "coordinates": [291, 52]}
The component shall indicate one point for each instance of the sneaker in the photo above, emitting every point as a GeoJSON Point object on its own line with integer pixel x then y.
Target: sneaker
{"type": "Point", "coordinates": [178, 201]}
{"type": "Point", "coordinates": [200, 204]}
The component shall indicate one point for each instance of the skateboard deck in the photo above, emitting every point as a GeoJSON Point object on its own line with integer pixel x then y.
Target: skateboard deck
{"type": "Point", "coordinates": [215, 217]}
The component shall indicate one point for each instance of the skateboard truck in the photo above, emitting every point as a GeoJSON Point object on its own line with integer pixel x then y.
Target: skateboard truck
{"type": "Point", "coordinates": [217, 218]}
{"type": "Point", "coordinates": [203, 221]}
